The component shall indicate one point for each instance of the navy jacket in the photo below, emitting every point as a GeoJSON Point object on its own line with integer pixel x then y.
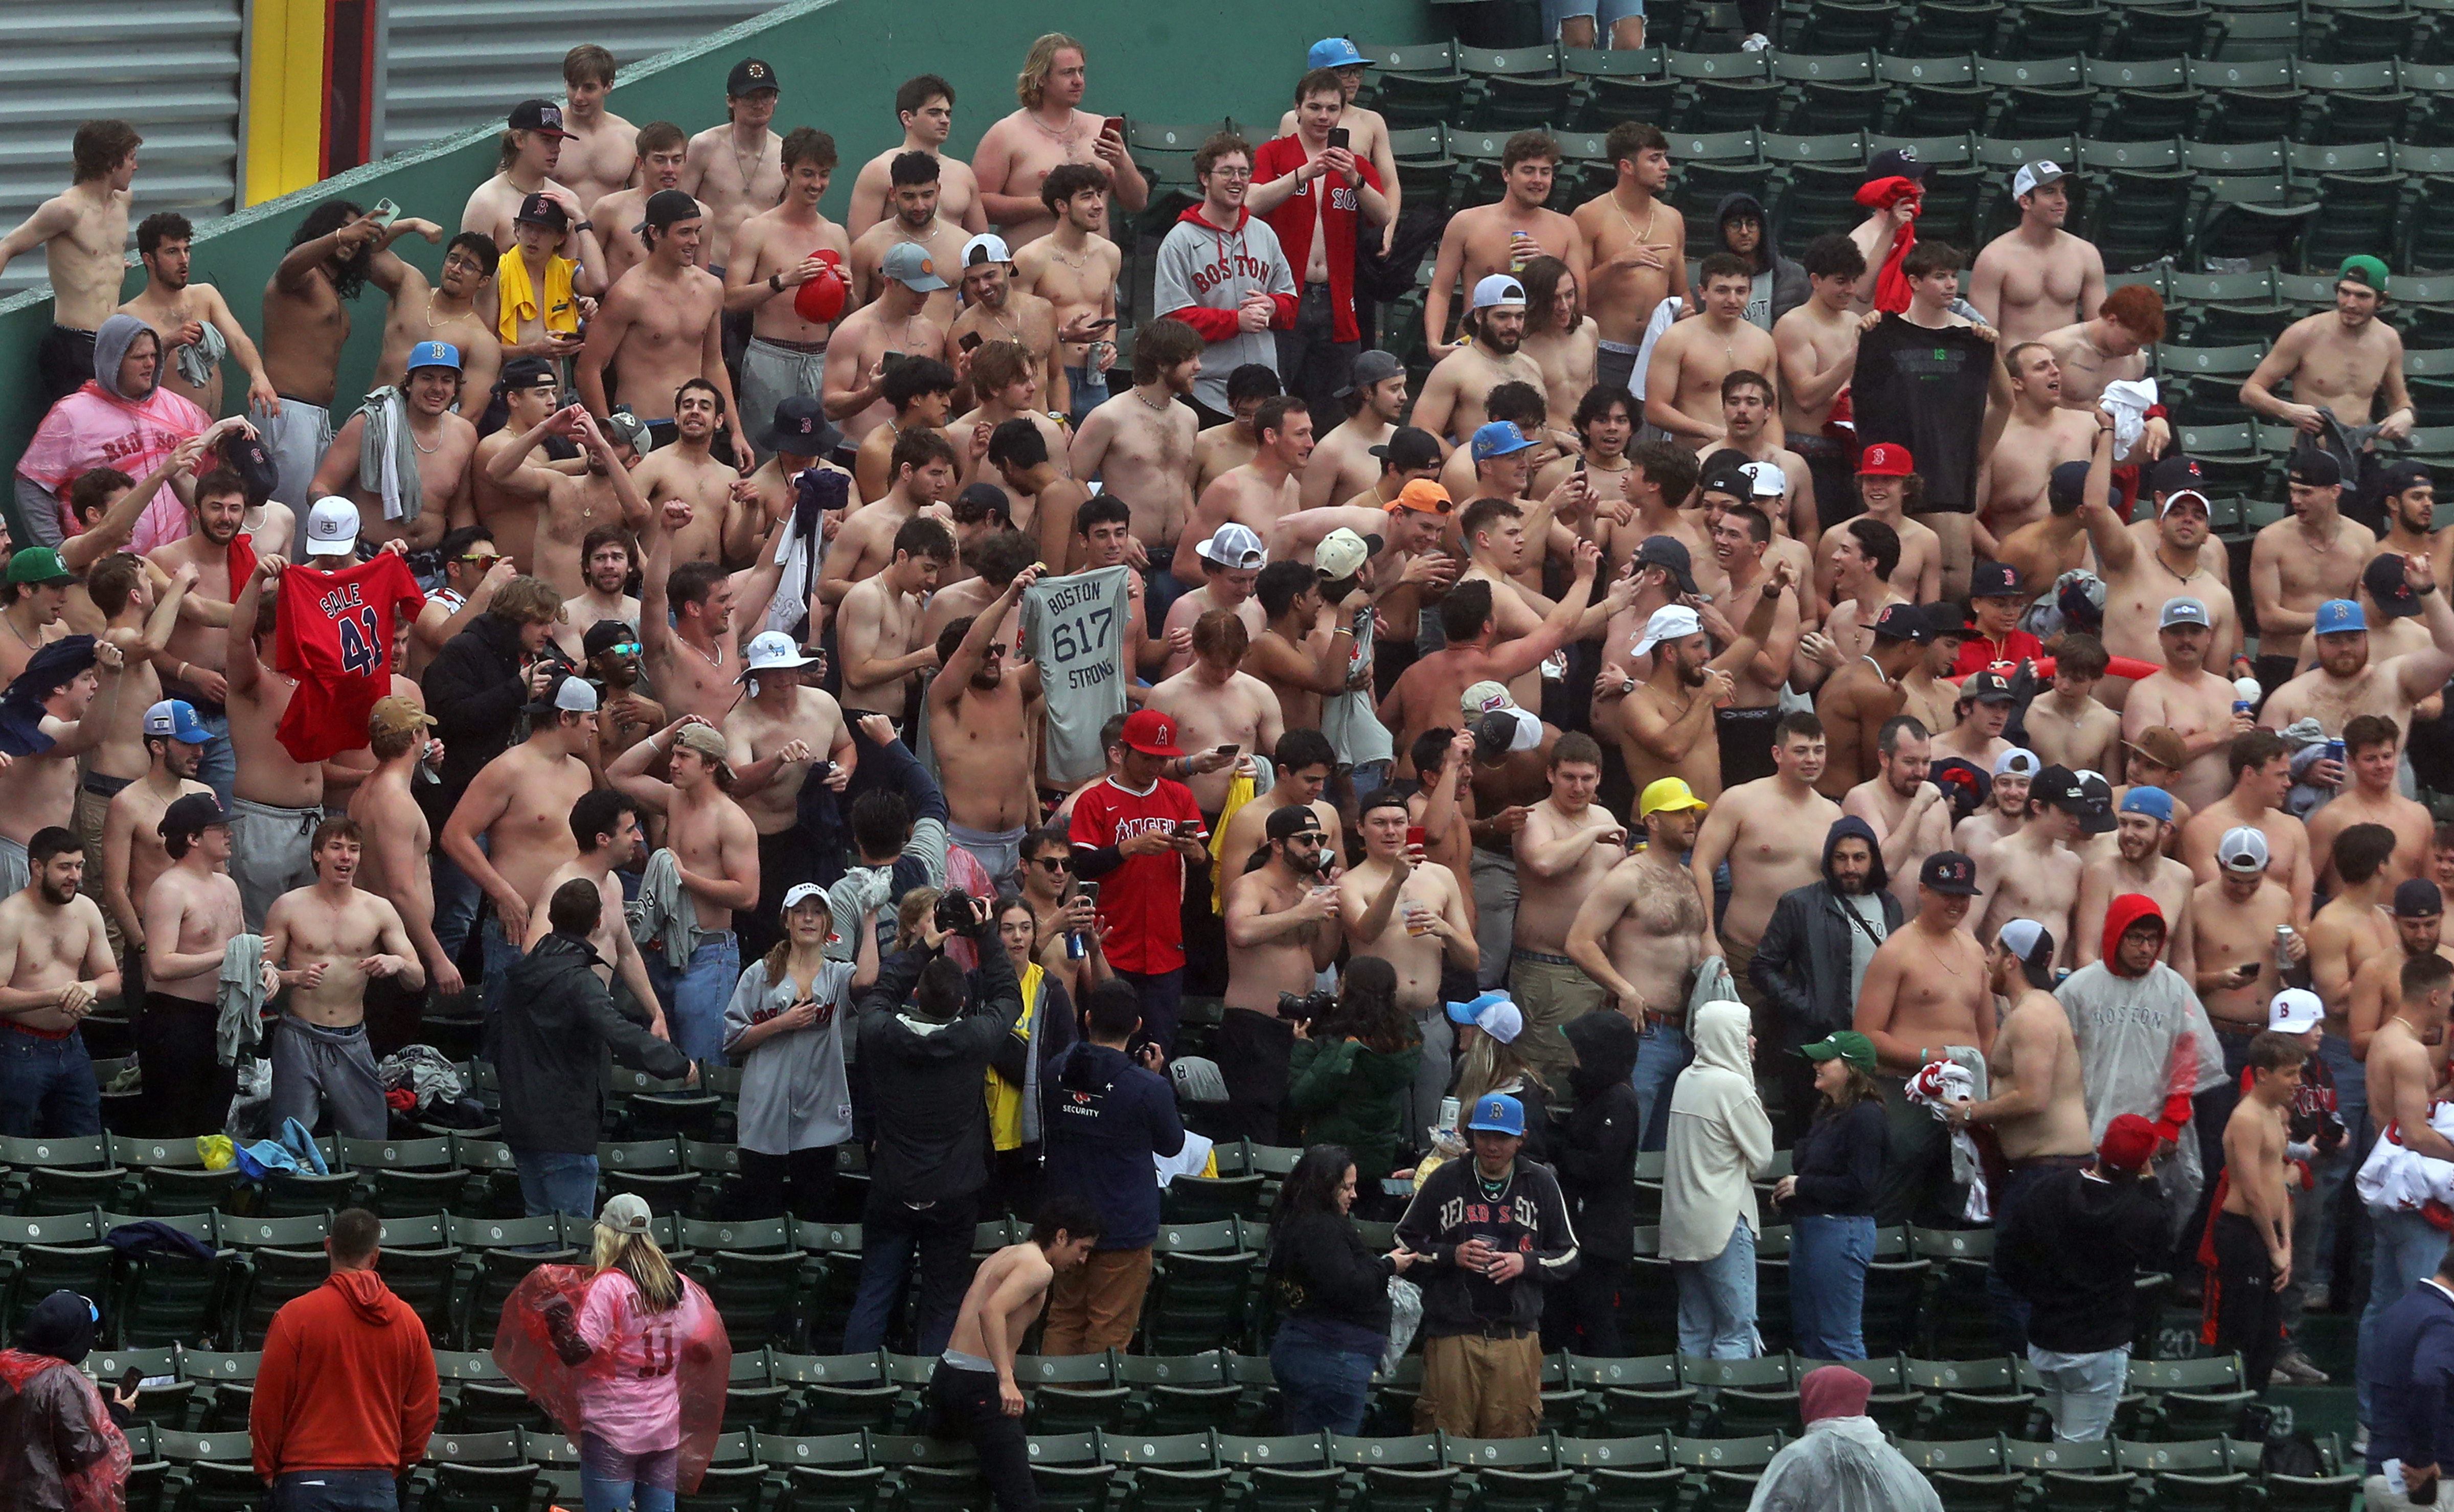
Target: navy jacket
{"type": "Point", "coordinates": [1102, 1119]}
{"type": "Point", "coordinates": [2411, 1382]}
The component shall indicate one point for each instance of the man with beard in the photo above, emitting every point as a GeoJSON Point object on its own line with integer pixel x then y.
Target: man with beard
{"type": "Point", "coordinates": [2303, 562]}
{"type": "Point", "coordinates": [625, 716]}
{"type": "Point", "coordinates": [1451, 405]}
{"type": "Point", "coordinates": [443, 442]}
{"type": "Point", "coordinates": [2340, 364]}
{"type": "Point", "coordinates": [2016, 475]}
{"type": "Point", "coordinates": [982, 731]}
{"type": "Point", "coordinates": [1641, 934]}
{"type": "Point", "coordinates": [55, 958]}
{"type": "Point", "coordinates": [737, 167]}
{"type": "Point", "coordinates": [565, 509]}
{"type": "Point", "coordinates": [2346, 684]}
{"type": "Point", "coordinates": [1414, 916]}
{"type": "Point", "coordinates": [191, 664]}
{"type": "Point", "coordinates": [2036, 277]}
{"type": "Point", "coordinates": [2236, 916]}
{"type": "Point", "coordinates": [1924, 994]}
{"type": "Point", "coordinates": [997, 309]}
{"type": "Point", "coordinates": [1771, 832]}
{"type": "Point", "coordinates": [2261, 764]}
{"type": "Point", "coordinates": [2142, 828]}
{"type": "Point", "coordinates": [326, 942]}
{"type": "Point", "coordinates": [398, 841]}
{"type": "Point", "coordinates": [912, 200]}
{"type": "Point", "coordinates": [2190, 701]}
{"type": "Point", "coordinates": [660, 327]}
{"type": "Point", "coordinates": [785, 735]}
{"type": "Point", "coordinates": [133, 854]}
{"type": "Point", "coordinates": [1283, 932]}
{"type": "Point", "coordinates": [1907, 814]}
{"type": "Point", "coordinates": [2372, 746]}
{"type": "Point", "coordinates": [306, 323]}
{"type": "Point", "coordinates": [1668, 724]}
{"type": "Point", "coordinates": [774, 252]}
{"type": "Point", "coordinates": [720, 528]}
{"type": "Point", "coordinates": [1813, 958]}
{"type": "Point", "coordinates": [182, 312]}
{"type": "Point", "coordinates": [1856, 701]}
{"type": "Point", "coordinates": [1352, 456]}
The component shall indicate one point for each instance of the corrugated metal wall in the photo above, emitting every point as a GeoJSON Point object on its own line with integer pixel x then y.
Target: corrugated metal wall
{"type": "Point", "coordinates": [170, 67]}
{"type": "Point", "coordinates": [443, 66]}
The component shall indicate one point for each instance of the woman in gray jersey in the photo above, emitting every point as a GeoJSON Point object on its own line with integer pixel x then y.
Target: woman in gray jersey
{"type": "Point", "coordinates": [785, 1026]}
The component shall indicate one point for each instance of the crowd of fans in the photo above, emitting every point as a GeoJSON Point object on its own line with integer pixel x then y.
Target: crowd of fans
{"type": "Point", "coordinates": [723, 638]}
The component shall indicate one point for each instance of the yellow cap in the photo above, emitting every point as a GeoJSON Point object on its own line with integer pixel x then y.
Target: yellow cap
{"type": "Point", "coordinates": [1666, 792]}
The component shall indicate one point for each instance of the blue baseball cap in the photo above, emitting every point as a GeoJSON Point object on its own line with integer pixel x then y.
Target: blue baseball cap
{"type": "Point", "coordinates": [1333, 52]}
{"type": "Point", "coordinates": [1499, 438]}
{"type": "Point", "coordinates": [1497, 1113]}
{"type": "Point", "coordinates": [433, 355]}
{"type": "Point", "coordinates": [2338, 615]}
{"type": "Point", "coordinates": [2154, 803]}
{"type": "Point", "coordinates": [176, 719]}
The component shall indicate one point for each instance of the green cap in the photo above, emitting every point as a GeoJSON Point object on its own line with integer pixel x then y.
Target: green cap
{"type": "Point", "coordinates": [38, 565]}
{"type": "Point", "coordinates": [2363, 269]}
{"type": "Point", "coordinates": [1847, 1045]}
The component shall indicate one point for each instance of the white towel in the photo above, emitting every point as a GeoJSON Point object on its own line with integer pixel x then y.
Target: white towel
{"type": "Point", "coordinates": [1663, 313]}
{"type": "Point", "coordinates": [1958, 1076]}
{"type": "Point", "coordinates": [239, 997]}
{"type": "Point", "coordinates": [2396, 1179]}
{"type": "Point", "coordinates": [2127, 400]}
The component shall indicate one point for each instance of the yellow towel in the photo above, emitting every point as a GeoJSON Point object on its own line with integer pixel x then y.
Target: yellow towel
{"type": "Point", "coordinates": [1239, 792]}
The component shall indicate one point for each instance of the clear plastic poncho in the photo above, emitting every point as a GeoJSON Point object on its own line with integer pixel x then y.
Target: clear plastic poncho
{"type": "Point", "coordinates": [1843, 1464]}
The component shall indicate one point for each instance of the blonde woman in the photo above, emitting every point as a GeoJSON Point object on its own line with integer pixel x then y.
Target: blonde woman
{"type": "Point", "coordinates": [785, 1026]}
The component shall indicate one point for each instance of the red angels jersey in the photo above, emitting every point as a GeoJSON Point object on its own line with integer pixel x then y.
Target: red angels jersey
{"type": "Point", "coordinates": [335, 636]}
{"type": "Point", "coordinates": [1143, 900]}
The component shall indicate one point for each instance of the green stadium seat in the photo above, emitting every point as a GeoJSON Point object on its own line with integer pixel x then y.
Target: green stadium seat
{"type": "Point", "coordinates": [1847, 25]}
{"type": "Point", "coordinates": [839, 1394]}
{"type": "Point", "coordinates": [2362, 194]}
{"type": "Point", "coordinates": [2258, 29]}
{"type": "Point", "coordinates": [1170, 1472]}
{"type": "Point", "coordinates": [1072, 1394]}
{"type": "Point", "coordinates": [1633, 1395]}
{"type": "Point", "coordinates": [1967, 1473]}
{"type": "Point", "coordinates": [1895, 1297]}
{"type": "Point", "coordinates": [828, 1474]}
{"type": "Point", "coordinates": [753, 1293]}
{"type": "Point", "coordinates": [1648, 1299]}
{"type": "Point", "coordinates": [2074, 1477]}
{"type": "Point", "coordinates": [1068, 1473]}
{"type": "Point", "coordinates": [2038, 97]}
{"type": "Point", "coordinates": [1288, 1473]}
{"type": "Point", "coordinates": [2249, 209]}
{"type": "Point", "coordinates": [1419, 84]}
{"type": "Point", "coordinates": [1404, 1474]}
{"type": "Point", "coordinates": [1949, 28]}
{"type": "Point", "coordinates": [1728, 1468]}
{"type": "Point", "coordinates": [407, 1176]}
{"type": "Point", "coordinates": [164, 1297]}
{"type": "Point", "coordinates": [1179, 1394]}
{"type": "Point", "coordinates": [2202, 385]}
{"type": "Point", "coordinates": [649, 1169]}
{"type": "Point", "coordinates": [2355, 102]}
{"type": "Point", "coordinates": [171, 1175]}
{"type": "Point", "coordinates": [475, 1448]}
{"type": "Point", "coordinates": [936, 1475]}
{"type": "Point", "coordinates": [219, 1469]}
{"type": "Point", "coordinates": [1618, 85]}
{"type": "Point", "coordinates": [1960, 1320]}
{"type": "Point", "coordinates": [482, 1487]}
{"type": "Point", "coordinates": [1971, 1395]}
{"type": "Point", "coordinates": [2249, 100]}
{"type": "Point", "coordinates": [1818, 179]}
{"type": "Point", "coordinates": [1725, 91]}
{"type": "Point", "coordinates": [2191, 1400]}
{"type": "Point", "coordinates": [2138, 201]}
{"type": "Point", "coordinates": [1830, 92]}
{"type": "Point", "coordinates": [2041, 29]}
{"type": "Point", "coordinates": [2357, 31]}
{"type": "Point", "coordinates": [164, 1404]}
{"type": "Point", "coordinates": [2428, 373]}
{"type": "Point", "coordinates": [1197, 1299]}
{"type": "Point", "coordinates": [2146, 29]}
{"type": "Point", "coordinates": [2144, 101]}
{"type": "Point", "coordinates": [1514, 89]}
{"type": "Point", "coordinates": [1935, 96]}
{"type": "Point", "coordinates": [1510, 1475]}
{"type": "Point", "coordinates": [2427, 241]}
{"type": "Point", "coordinates": [2196, 1477]}
{"type": "Point", "coordinates": [506, 1250]}
{"type": "Point", "coordinates": [1772, 1288]}
{"type": "Point", "coordinates": [228, 1385]}
{"type": "Point", "coordinates": [1710, 166]}
{"type": "Point", "coordinates": [1749, 1396]}
{"type": "Point", "coordinates": [63, 1175]}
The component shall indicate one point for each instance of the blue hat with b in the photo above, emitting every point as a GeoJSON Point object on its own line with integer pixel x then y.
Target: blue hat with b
{"type": "Point", "coordinates": [1333, 52]}
{"type": "Point", "coordinates": [1499, 438]}
{"type": "Point", "coordinates": [1497, 1113]}
{"type": "Point", "coordinates": [433, 355]}
{"type": "Point", "coordinates": [2338, 615]}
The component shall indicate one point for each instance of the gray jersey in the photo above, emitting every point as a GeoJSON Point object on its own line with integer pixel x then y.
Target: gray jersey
{"type": "Point", "coordinates": [1354, 727]}
{"type": "Point", "coordinates": [1074, 628]}
{"type": "Point", "coordinates": [794, 1091]}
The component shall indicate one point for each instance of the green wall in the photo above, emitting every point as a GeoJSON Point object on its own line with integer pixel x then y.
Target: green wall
{"type": "Point", "coordinates": [840, 62]}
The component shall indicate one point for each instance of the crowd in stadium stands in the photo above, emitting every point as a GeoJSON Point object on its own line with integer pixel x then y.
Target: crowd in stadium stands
{"type": "Point", "coordinates": [1021, 758]}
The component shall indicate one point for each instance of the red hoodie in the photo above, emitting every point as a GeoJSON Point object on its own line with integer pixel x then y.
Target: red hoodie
{"type": "Point", "coordinates": [347, 1381]}
{"type": "Point", "coordinates": [2182, 1072]}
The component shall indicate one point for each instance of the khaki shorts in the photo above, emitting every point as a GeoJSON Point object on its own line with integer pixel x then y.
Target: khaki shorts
{"type": "Point", "coordinates": [1481, 1389]}
{"type": "Point", "coordinates": [1550, 992]}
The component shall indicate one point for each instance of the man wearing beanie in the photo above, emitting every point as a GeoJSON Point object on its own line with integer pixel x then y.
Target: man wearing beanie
{"type": "Point", "coordinates": [62, 1448]}
{"type": "Point", "coordinates": [1843, 1462]}
{"type": "Point", "coordinates": [2071, 1250]}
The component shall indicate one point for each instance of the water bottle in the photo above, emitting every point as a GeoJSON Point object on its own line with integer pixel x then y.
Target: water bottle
{"type": "Point", "coordinates": [2245, 695]}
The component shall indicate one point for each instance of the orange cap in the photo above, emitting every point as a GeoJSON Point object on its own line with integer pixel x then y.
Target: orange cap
{"type": "Point", "coordinates": [1425, 496]}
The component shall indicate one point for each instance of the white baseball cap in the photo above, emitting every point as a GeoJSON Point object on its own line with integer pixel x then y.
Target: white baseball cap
{"type": "Point", "coordinates": [1497, 288]}
{"type": "Point", "coordinates": [2034, 176]}
{"type": "Point", "coordinates": [986, 248]}
{"type": "Point", "coordinates": [773, 650]}
{"type": "Point", "coordinates": [2295, 1011]}
{"type": "Point", "coordinates": [2243, 849]}
{"type": "Point", "coordinates": [331, 527]}
{"type": "Point", "coordinates": [575, 696]}
{"type": "Point", "coordinates": [1770, 481]}
{"type": "Point", "coordinates": [801, 893]}
{"type": "Point", "coordinates": [1341, 554]}
{"type": "Point", "coordinates": [1670, 622]}
{"type": "Point", "coordinates": [1233, 545]}
{"type": "Point", "coordinates": [2018, 762]}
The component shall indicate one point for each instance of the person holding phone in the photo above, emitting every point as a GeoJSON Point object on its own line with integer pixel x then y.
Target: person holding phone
{"type": "Point", "coordinates": [785, 1026]}
{"type": "Point", "coordinates": [1316, 191]}
{"type": "Point", "coordinates": [1049, 130]}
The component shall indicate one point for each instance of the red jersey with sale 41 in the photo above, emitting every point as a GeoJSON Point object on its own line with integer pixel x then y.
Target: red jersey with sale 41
{"type": "Point", "coordinates": [336, 638]}
{"type": "Point", "coordinates": [1142, 902]}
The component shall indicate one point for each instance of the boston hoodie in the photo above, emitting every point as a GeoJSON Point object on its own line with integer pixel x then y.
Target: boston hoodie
{"type": "Point", "coordinates": [346, 1382]}
{"type": "Point", "coordinates": [99, 426]}
{"type": "Point", "coordinates": [1204, 273]}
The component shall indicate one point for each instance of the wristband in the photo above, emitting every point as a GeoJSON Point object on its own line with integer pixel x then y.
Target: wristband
{"type": "Point", "coordinates": [2157, 411]}
{"type": "Point", "coordinates": [775, 283]}
{"type": "Point", "coordinates": [585, 225]}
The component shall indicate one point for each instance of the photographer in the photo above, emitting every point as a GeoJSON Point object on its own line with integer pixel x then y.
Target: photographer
{"type": "Point", "coordinates": [1352, 1069]}
{"type": "Point", "coordinates": [1281, 935]}
{"type": "Point", "coordinates": [1333, 1292]}
{"type": "Point", "coordinates": [926, 1063]}
{"type": "Point", "coordinates": [1105, 1115]}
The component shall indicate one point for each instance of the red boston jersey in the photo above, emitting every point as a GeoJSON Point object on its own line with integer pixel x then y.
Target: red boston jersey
{"type": "Point", "coordinates": [336, 638]}
{"type": "Point", "coordinates": [1142, 900]}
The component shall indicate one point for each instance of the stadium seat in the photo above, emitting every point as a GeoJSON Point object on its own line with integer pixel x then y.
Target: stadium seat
{"type": "Point", "coordinates": [171, 1175]}
{"type": "Point", "coordinates": [2248, 207]}
{"type": "Point", "coordinates": [1180, 1394]}
{"type": "Point", "coordinates": [1818, 179]}
{"type": "Point", "coordinates": [2190, 1399]}
{"type": "Point", "coordinates": [164, 1404]}
{"type": "Point", "coordinates": [1970, 1396]}
{"type": "Point", "coordinates": [828, 1474]}
{"type": "Point", "coordinates": [1648, 1301]}
{"type": "Point", "coordinates": [2258, 29]}
{"type": "Point", "coordinates": [229, 1383]}
{"type": "Point", "coordinates": [1889, 1316]}
{"type": "Point", "coordinates": [1627, 1475]}
{"type": "Point", "coordinates": [2226, 309]}
{"type": "Point", "coordinates": [2038, 97]}
{"type": "Point", "coordinates": [1830, 92]}
{"type": "Point", "coordinates": [1514, 89]}
{"type": "Point", "coordinates": [2138, 201]}
{"type": "Point", "coordinates": [1954, 186]}
{"type": "Point", "coordinates": [1630, 1396]}
{"type": "Point", "coordinates": [1967, 1473]}
{"type": "Point", "coordinates": [52, 1252]}
{"type": "Point", "coordinates": [1725, 92]}
{"type": "Point", "coordinates": [2040, 30]}
{"type": "Point", "coordinates": [649, 1169]}
{"type": "Point", "coordinates": [63, 1175]}
{"type": "Point", "coordinates": [2074, 1477]}
{"type": "Point", "coordinates": [2248, 100]}
{"type": "Point", "coordinates": [753, 1292]}
{"type": "Point", "coordinates": [506, 1250]}
{"type": "Point", "coordinates": [1934, 96]}
{"type": "Point", "coordinates": [1727, 1468]}
{"type": "Point", "coordinates": [1617, 86]}
{"type": "Point", "coordinates": [2143, 101]}
{"type": "Point", "coordinates": [2428, 373]}
{"type": "Point", "coordinates": [1750, 1396]}
{"type": "Point", "coordinates": [2355, 102]}
{"type": "Point", "coordinates": [1067, 1394]}
{"type": "Point", "coordinates": [2356, 30]}
{"type": "Point", "coordinates": [839, 1394]}
{"type": "Point", "coordinates": [1288, 1473]}
{"type": "Point", "coordinates": [1960, 1322]}
{"type": "Point", "coordinates": [1772, 1288]}
{"type": "Point", "coordinates": [458, 1487]}
{"type": "Point", "coordinates": [407, 1176]}
{"type": "Point", "coordinates": [2147, 30]}
{"type": "Point", "coordinates": [1419, 84]}
{"type": "Point", "coordinates": [2202, 385]}
{"type": "Point", "coordinates": [1945, 28]}
{"type": "Point", "coordinates": [2362, 191]}
{"type": "Point", "coordinates": [219, 1468]}
{"type": "Point", "coordinates": [1170, 1472]}
{"type": "Point", "coordinates": [2196, 1477]}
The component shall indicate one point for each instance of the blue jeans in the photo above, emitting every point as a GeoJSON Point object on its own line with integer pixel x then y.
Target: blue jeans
{"type": "Point", "coordinates": [2407, 1253]}
{"type": "Point", "coordinates": [890, 1231]}
{"type": "Point", "coordinates": [217, 768]}
{"type": "Point", "coordinates": [456, 897]}
{"type": "Point", "coordinates": [1088, 389]}
{"type": "Point", "coordinates": [611, 1481]}
{"type": "Point", "coordinates": [46, 1087]}
{"type": "Point", "coordinates": [2330, 1195]}
{"type": "Point", "coordinates": [1321, 1387]}
{"type": "Point", "coordinates": [1163, 997]}
{"type": "Point", "coordinates": [1827, 1285]}
{"type": "Point", "coordinates": [2081, 1393]}
{"type": "Point", "coordinates": [1662, 1051]}
{"type": "Point", "coordinates": [695, 999]}
{"type": "Point", "coordinates": [1717, 1301]}
{"type": "Point", "coordinates": [335, 1491]}
{"type": "Point", "coordinates": [499, 959]}
{"type": "Point", "coordinates": [552, 1181]}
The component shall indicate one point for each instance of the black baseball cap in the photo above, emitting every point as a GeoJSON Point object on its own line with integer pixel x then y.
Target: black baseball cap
{"type": "Point", "coordinates": [1987, 687]}
{"type": "Point", "coordinates": [538, 115]}
{"type": "Point", "coordinates": [1949, 872]}
{"type": "Point", "coordinates": [605, 635]}
{"type": "Point", "coordinates": [2059, 786]}
{"type": "Point", "coordinates": [2315, 468]}
{"type": "Point", "coordinates": [247, 456]}
{"type": "Point", "coordinates": [1964, 782]}
{"type": "Point", "coordinates": [2067, 487]}
{"type": "Point", "coordinates": [1663, 551]}
{"type": "Point", "coordinates": [526, 372]}
{"type": "Point", "coordinates": [2398, 477]}
{"type": "Point", "coordinates": [2388, 588]}
{"type": "Point", "coordinates": [2174, 472]}
{"type": "Point", "coordinates": [749, 76]}
{"type": "Point", "coordinates": [541, 209]}
{"type": "Point", "coordinates": [801, 428]}
{"type": "Point", "coordinates": [2096, 805]}
{"type": "Point", "coordinates": [192, 812]}
{"type": "Point", "coordinates": [1296, 818]}
{"type": "Point", "coordinates": [1904, 622]}
{"type": "Point", "coordinates": [1409, 448]}
{"type": "Point", "coordinates": [1731, 481]}
{"type": "Point", "coordinates": [1995, 580]}
{"type": "Point", "coordinates": [1946, 622]}
{"type": "Point", "coordinates": [1895, 162]}
{"type": "Point", "coordinates": [2417, 897]}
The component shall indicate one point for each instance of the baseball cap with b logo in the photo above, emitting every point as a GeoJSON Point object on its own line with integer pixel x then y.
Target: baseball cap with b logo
{"type": "Point", "coordinates": [1949, 872]}
{"type": "Point", "coordinates": [1886, 460]}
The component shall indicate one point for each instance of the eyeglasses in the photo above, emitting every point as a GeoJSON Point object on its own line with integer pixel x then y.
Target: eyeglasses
{"type": "Point", "coordinates": [1231, 173]}
{"type": "Point", "coordinates": [1053, 863]}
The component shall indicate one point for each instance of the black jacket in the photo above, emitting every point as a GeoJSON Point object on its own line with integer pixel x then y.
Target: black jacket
{"type": "Point", "coordinates": [1320, 1269]}
{"type": "Point", "coordinates": [2072, 1247]}
{"type": "Point", "coordinates": [475, 692]}
{"type": "Point", "coordinates": [927, 1079]}
{"type": "Point", "coordinates": [1801, 964]}
{"type": "Point", "coordinates": [558, 1022]}
{"type": "Point", "coordinates": [1595, 1152]}
{"type": "Point", "coordinates": [1528, 1218]}
{"type": "Point", "coordinates": [1838, 1163]}
{"type": "Point", "coordinates": [1790, 286]}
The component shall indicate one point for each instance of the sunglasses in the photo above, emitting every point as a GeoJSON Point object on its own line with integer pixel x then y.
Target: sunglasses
{"type": "Point", "coordinates": [1054, 863]}
{"type": "Point", "coordinates": [624, 648]}
{"type": "Point", "coordinates": [996, 648]}
{"type": "Point", "coordinates": [488, 559]}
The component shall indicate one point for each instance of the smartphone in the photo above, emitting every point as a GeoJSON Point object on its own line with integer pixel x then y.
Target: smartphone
{"type": "Point", "coordinates": [385, 212]}
{"type": "Point", "coordinates": [134, 1377]}
{"type": "Point", "coordinates": [1190, 830]}
{"type": "Point", "coordinates": [970, 339]}
{"type": "Point", "coordinates": [1114, 126]}
{"type": "Point", "coordinates": [1103, 325]}
{"type": "Point", "coordinates": [1088, 892]}
{"type": "Point", "coordinates": [2250, 969]}
{"type": "Point", "coordinates": [1229, 749]}
{"type": "Point", "coordinates": [1339, 137]}
{"type": "Point", "coordinates": [1414, 835]}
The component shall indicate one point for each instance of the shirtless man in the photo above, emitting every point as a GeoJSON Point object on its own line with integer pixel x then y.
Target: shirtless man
{"type": "Point", "coordinates": [2402, 1071]}
{"type": "Point", "coordinates": [2040, 435]}
{"type": "Point", "coordinates": [1640, 932]}
{"type": "Point", "coordinates": [450, 312]}
{"type": "Point", "coordinates": [604, 824]}
{"type": "Point", "coordinates": [891, 326]}
{"type": "Point", "coordinates": [2261, 766]}
{"type": "Point", "coordinates": [1884, 470]}
{"type": "Point", "coordinates": [2417, 920]}
{"type": "Point", "coordinates": [532, 150]}
{"type": "Point", "coordinates": [1568, 845]}
{"type": "Point", "coordinates": [2146, 565]}
{"type": "Point", "coordinates": [1560, 336]}
{"type": "Point", "coordinates": [662, 149]}
{"type": "Point", "coordinates": [774, 254]}
{"type": "Point", "coordinates": [2190, 701]}
{"type": "Point", "coordinates": [785, 735]}
{"type": "Point", "coordinates": [661, 326]}
{"type": "Point", "coordinates": [2139, 864]}
{"type": "Point", "coordinates": [55, 959]}
{"type": "Point", "coordinates": [82, 232]}
{"type": "Point", "coordinates": [925, 106]}
{"type": "Point", "coordinates": [189, 914]}
{"type": "Point", "coordinates": [326, 942]}
{"type": "Point", "coordinates": [276, 802]}
{"type": "Point", "coordinates": [982, 731]}
{"type": "Point", "coordinates": [2006, 803]}
{"type": "Point", "coordinates": [1771, 832]}
{"type": "Point", "coordinates": [878, 623]}
{"type": "Point", "coordinates": [914, 222]}
{"type": "Point", "coordinates": [1304, 651]}
{"type": "Point", "coordinates": [2346, 684]}
{"type": "Point", "coordinates": [1348, 460]}
{"type": "Point", "coordinates": [2033, 872]}
{"type": "Point", "coordinates": [2303, 560]}
{"type": "Point", "coordinates": [2342, 364]}
{"type": "Point", "coordinates": [520, 803]}
{"type": "Point", "coordinates": [567, 508]}
{"type": "Point", "coordinates": [179, 310]}
{"type": "Point", "coordinates": [1983, 708]}
{"type": "Point", "coordinates": [2110, 347]}
{"type": "Point", "coordinates": [1856, 702]}
{"type": "Point", "coordinates": [1927, 691]}
{"type": "Point", "coordinates": [2036, 277]}
{"type": "Point", "coordinates": [1488, 354]}
{"type": "Point", "coordinates": [600, 156]}
{"type": "Point", "coordinates": [396, 835]}
{"type": "Point", "coordinates": [445, 445]}
{"type": "Point", "coordinates": [715, 851]}
{"type": "Point", "coordinates": [1783, 486]}
{"type": "Point", "coordinates": [1074, 268]}
{"type": "Point", "coordinates": [1003, 1301]}
{"type": "Point", "coordinates": [2036, 1106]}
{"type": "Point", "coordinates": [1926, 988]}
{"type": "Point", "coordinates": [1222, 449]}
{"type": "Point", "coordinates": [1682, 387]}
{"type": "Point", "coordinates": [1630, 240]}
{"type": "Point", "coordinates": [922, 467]}
{"type": "Point", "coordinates": [1215, 704]}
{"type": "Point", "coordinates": [737, 167]}
{"type": "Point", "coordinates": [131, 851]}
{"type": "Point", "coordinates": [1907, 814]}
{"type": "Point", "coordinates": [1281, 920]}
{"type": "Point", "coordinates": [1259, 493]}
{"type": "Point", "coordinates": [1412, 915]}
{"type": "Point", "coordinates": [2067, 724]}
{"type": "Point", "coordinates": [721, 528]}
{"type": "Point", "coordinates": [1818, 348]}
{"type": "Point", "coordinates": [997, 311]}
{"type": "Point", "coordinates": [2372, 751]}
{"type": "Point", "coordinates": [2235, 916]}
{"type": "Point", "coordinates": [1862, 557]}
{"type": "Point", "coordinates": [1139, 443]}
{"type": "Point", "coordinates": [1017, 154]}
{"type": "Point", "coordinates": [1667, 725]}
{"type": "Point", "coordinates": [1498, 239]}
{"type": "Point", "coordinates": [2252, 1235]}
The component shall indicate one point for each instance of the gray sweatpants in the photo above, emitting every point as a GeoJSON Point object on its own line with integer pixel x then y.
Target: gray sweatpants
{"type": "Point", "coordinates": [297, 438]}
{"type": "Point", "coordinates": [317, 1070]}
{"type": "Point", "coordinates": [1495, 913]}
{"type": "Point", "coordinates": [270, 855]}
{"type": "Point", "coordinates": [772, 373]}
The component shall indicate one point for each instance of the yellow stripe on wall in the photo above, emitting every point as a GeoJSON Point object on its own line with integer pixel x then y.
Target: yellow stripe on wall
{"type": "Point", "coordinates": [285, 114]}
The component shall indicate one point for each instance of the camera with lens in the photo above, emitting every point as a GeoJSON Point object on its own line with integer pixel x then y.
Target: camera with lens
{"type": "Point", "coordinates": [1306, 1007]}
{"type": "Point", "coordinates": [953, 912]}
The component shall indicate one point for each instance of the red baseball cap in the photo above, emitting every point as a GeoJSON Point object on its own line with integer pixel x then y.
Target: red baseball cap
{"type": "Point", "coordinates": [2129, 1142]}
{"type": "Point", "coordinates": [1886, 460]}
{"type": "Point", "coordinates": [1150, 733]}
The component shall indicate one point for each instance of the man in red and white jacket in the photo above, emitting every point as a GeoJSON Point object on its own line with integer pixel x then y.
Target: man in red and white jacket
{"type": "Point", "coordinates": [1312, 194]}
{"type": "Point", "coordinates": [1221, 272]}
